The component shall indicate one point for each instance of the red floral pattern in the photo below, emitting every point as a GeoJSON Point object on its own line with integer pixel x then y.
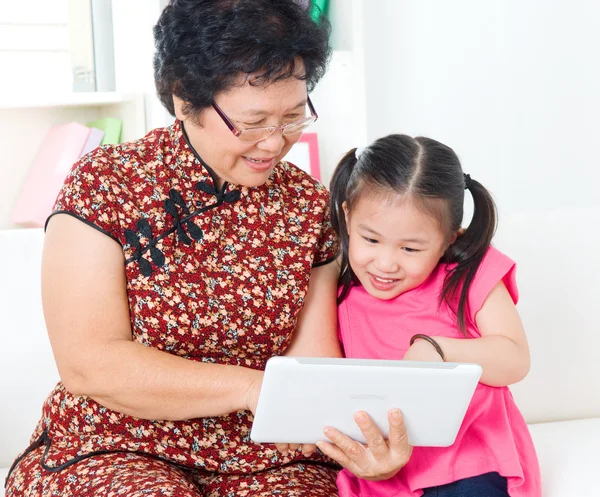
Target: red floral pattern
{"type": "Point", "coordinates": [212, 275]}
{"type": "Point", "coordinates": [135, 475]}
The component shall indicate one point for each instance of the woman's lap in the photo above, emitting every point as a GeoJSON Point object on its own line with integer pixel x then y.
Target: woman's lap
{"type": "Point", "coordinates": [297, 480]}
{"type": "Point", "coordinates": [488, 485]}
{"type": "Point", "coordinates": [135, 475]}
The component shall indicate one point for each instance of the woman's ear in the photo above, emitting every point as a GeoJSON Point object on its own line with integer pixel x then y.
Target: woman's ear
{"type": "Point", "coordinates": [178, 105]}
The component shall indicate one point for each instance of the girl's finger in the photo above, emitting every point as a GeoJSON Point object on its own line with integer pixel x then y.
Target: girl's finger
{"type": "Point", "coordinates": [375, 441]}
{"type": "Point", "coordinates": [398, 438]}
{"type": "Point", "coordinates": [334, 453]}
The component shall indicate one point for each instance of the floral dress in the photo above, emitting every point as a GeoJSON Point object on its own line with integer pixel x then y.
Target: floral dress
{"type": "Point", "coordinates": [215, 275]}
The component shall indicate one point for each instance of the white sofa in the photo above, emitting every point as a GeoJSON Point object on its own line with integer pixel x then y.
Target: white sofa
{"type": "Point", "coordinates": [559, 277]}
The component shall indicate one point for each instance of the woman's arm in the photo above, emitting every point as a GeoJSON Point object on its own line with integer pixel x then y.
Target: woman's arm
{"type": "Point", "coordinates": [87, 316]}
{"type": "Point", "coordinates": [316, 330]}
{"type": "Point", "coordinates": [502, 351]}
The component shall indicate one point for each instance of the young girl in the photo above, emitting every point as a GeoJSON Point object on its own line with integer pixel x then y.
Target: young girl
{"type": "Point", "coordinates": [415, 286]}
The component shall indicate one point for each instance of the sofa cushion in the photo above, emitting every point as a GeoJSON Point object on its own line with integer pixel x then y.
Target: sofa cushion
{"type": "Point", "coordinates": [558, 270]}
{"type": "Point", "coordinates": [3, 473]}
{"type": "Point", "coordinates": [27, 369]}
{"type": "Point", "coordinates": [568, 454]}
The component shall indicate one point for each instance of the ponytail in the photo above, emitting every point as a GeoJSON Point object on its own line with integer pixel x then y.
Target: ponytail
{"type": "Point", "coordinates": [468, 251]}
{"type": "Point", "coordinates": [430, 173]}
{"type": "Point", "coordinates": [341, 183]}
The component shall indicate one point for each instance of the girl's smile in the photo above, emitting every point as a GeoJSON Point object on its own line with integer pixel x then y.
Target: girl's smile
{"type": "Point", "coordinates": [394, 246]}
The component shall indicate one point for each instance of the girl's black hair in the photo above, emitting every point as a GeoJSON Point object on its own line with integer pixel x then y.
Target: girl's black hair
{"type": "Point", "coordinates": [430, 174]}
{"type": "Point", "coordinates": [203, 46]}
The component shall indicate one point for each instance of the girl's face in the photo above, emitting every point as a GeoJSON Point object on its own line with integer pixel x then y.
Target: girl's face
{"type": "Point", "coordinates": [232, 159]}
{"type": "Point", "coordinates": [393, 246]}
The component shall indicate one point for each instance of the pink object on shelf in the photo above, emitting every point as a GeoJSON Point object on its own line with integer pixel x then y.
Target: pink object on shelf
{"type": "Point", "coordinates": [61, 148]}
{"type": "Point", "coordinates": [305, 155]}
{"type": "Point", "coordinates": [94, 140]}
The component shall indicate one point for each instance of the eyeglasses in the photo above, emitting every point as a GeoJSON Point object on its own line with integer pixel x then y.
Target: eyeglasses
{"type": "Point", "coordinates": [259, 134]}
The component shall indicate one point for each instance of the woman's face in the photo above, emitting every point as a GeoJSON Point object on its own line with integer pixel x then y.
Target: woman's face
{"type": "Point", "coordinates": [232, 159]}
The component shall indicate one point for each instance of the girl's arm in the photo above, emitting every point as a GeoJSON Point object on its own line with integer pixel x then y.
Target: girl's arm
{"type": "Point", "coordinates": [502, 351]}
{"type": "Point", "coordinates": [316, 330]}
{"type": "Point", "coordinates": [87, 316]}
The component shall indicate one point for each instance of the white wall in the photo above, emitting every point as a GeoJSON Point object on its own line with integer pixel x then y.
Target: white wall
{"type": "Point", "coordinates": [340, 96]}
{"type": "Point", "coordinates": [513, 86]}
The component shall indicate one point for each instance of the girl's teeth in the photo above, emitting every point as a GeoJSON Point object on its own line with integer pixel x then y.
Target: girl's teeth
{"type": "Point", "coordinates": [383, 280]}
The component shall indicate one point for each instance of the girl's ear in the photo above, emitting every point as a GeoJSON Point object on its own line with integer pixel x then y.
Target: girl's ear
{"type": "Point", "coordinates": [452, 238]}
{"type": "Point", "coordinates": [346, 217]}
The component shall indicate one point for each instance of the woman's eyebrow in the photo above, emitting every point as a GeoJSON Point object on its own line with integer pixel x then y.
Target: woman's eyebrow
{"type": "Point", "coordinates": [262, 112]}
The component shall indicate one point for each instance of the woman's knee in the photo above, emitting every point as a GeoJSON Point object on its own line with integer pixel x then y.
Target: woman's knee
{"type": "Point", "coordinates": [119, 474]}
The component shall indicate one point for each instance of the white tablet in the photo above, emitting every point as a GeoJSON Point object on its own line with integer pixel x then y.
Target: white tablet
{"type": "Point", "coordinates": [301, 396]}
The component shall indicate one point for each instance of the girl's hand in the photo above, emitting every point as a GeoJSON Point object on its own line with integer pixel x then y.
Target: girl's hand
{"type": "Point", "coordinates": [380, 459]}
{"type": "Point", "coordinates": [422, 350]}
{"type": "Point", "coordinates": [307, 449]}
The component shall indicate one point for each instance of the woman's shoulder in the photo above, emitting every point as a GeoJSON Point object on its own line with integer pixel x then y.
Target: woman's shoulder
{"type": "Point", "coordinates": [132, 159]}
{"type": "Point", "coordinates": [297, 183]}
{"type": "Point", "coordinates": [296, 180]}
{"type": "Point", "coordinates": [109, 180]}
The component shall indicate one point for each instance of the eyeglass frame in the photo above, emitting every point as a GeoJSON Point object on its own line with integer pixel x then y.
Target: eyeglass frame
{"type": "Point", "coordinates": [236, 132]}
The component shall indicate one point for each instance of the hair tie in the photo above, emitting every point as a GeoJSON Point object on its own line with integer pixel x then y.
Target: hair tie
{"type": "Point", "coordinates": [358, 152]}
{"type": "Point", "coordinates": [467, 181]}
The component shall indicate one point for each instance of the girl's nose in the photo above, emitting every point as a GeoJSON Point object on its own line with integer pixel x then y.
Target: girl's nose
{"type": "Point", "coordinates": [386, 263]}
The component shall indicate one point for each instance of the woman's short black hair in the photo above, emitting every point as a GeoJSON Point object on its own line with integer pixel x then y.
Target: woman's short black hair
{"type": "Point", "coordinates": [203, 46]}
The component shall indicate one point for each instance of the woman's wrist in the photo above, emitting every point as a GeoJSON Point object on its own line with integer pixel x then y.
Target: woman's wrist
{"type": "Point", "coordinates": [252, 389]}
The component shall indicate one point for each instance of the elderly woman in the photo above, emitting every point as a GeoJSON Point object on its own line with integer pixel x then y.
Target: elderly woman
{"type": "Point", "coordinates": [175, 266]}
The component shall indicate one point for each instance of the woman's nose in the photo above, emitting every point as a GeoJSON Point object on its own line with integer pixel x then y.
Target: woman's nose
{"type": "Point", "coordinates": [273, 143]}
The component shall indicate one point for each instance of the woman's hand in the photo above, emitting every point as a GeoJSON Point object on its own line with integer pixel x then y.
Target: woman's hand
{"type": "Point", "coordinates": [307, 449]}
{"type": "Point", "coordinates": [380, 459]}
{"type": "Point", "coordinates": [252, 395]}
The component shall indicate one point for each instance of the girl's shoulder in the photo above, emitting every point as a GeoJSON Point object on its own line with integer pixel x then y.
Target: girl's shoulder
{"type": "Point", "coordinates": [495, 267]}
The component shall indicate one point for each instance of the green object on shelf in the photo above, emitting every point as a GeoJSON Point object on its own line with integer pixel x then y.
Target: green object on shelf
{"type": "Point", "coordinates": [318, 8]}
{"type": "Point", "coordinates": [112, 129]}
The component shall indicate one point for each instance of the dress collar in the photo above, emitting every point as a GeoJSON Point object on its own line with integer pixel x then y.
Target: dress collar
{"type": "Point", "coordinates": [187, 162]}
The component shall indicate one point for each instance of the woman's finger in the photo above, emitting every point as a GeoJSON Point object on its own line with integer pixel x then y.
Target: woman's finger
{"type": "Point", "coordinates": [375, 441]}
{"type": "Point", "coordinates": [308, 449]}
{"type": "Point", "coordinates": [283, 449]}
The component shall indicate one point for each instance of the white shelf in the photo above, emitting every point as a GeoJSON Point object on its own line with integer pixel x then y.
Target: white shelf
{"type": "Point", "coordinates": [83, 99]}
